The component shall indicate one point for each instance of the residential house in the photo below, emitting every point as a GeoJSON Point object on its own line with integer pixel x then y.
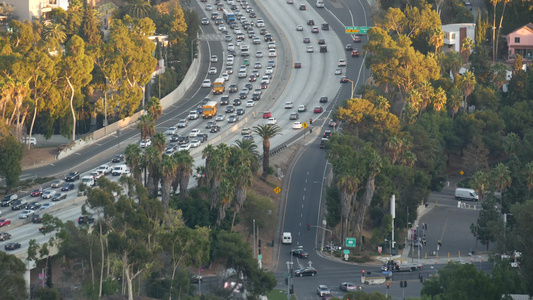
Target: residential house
{"type": "Point", "coordinates": [520, 42]}
{"type": "Point", "coordinates": [454, 34]}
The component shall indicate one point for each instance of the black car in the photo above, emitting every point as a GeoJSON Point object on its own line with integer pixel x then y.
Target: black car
{"type": "Point", "coordinates": [268, 38]}
{"type": "Point", "coordinates": [307, 271]}
{"type": "Point", "coordinates": [237, 102]}
{"type": "Point", "coordinates": [256, 96]}
{"type": "Point", "coordinates": [72, 176]}
{"type": "Point", "coordinates": [310, 22]}
{"type": "Point", "coordinates": [224, 100]}
{"type": "Point", "coordinates": [323, 100]}
{"type": "Point", "coordinates": [243, 95]}
{"type": "Point", "coordinates": [348, 47]}
{"type": "Point", "coordinates": [12, 246]}
{"type": "Point", "coordinates": [327, 133]}
{"type": "Point", "coordinates": [325, 26]}
{"type": "Point", "coordinates": [36, 219]}
{"type": "Point", "coordinates": [117, 158]}
{"type": "Point", "coordinates": [4, 236]}
{"type": "Point", "coordinates": [67, 187]}
{"type": "Point", "coordinates": [233, 88]}
{"type": "Point", "coordinates": [174, 137]}
{"type": "Point", "coordinates": [19, 204]}
{"type": "Point", "coordinates": [214, 128]}
{"type": "Point", "coordinates": [34, 206]}
{"type": "Point", "coordinates": [183, 140]}
{"type": "Point", "coordinates": [300, 253]}
{"type": "Point", "coordinates": [85, 220]}
{"type": "Point", "coordinates": [8, 199]}
{"type": "Point", "coordinates": [60, 196]}
{"type": "Point", "coordinates": [230, 109]}
{"type": "Point", "coordinates": [202, 137]}
{"type": "Point", "coordinates": [240, 111]}
{"type": "Point", "coordinates": [209, 124]}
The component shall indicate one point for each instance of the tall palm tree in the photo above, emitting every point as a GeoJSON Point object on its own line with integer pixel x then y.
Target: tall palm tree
{"type": "Point", "coordinates": [185, 167]}
{"type": "Point", "coordinates": [454, 100]}
{"type": "Point", "coordinates": [529, 178]}
{"type": "Point", "coordinates": [466, 45]}
{"type": "Point", "coordinates": [480, 183]}
{"type": "Point", "coordinates": [56, 31]}
{"type": "Point", "coordinates": [154, 108]}
{"type": "Point", "coordinates": [217, 164]}
{"type": "Point", "coordinates": [242, 176]}
{"type": "Point", "coordinates": [159, 142]}
{"type": "Point", "coordinates": [453, 62]}
{"type": "Point", "coordinates": [466, 83]}
{"type": "Point", "coordinates": [348, 186]}
{"type": "Point", "coordinates": [500, 27]}
{"type": "Point", "coordinates": [437, 38]}
{"type": "Point", "coordinates": [250, 148]}
{"type": "Point", "coordinates": [133, 155]}
{"type": "Point", "coordinates": [147, 126]}
{"type": "Point", "coordinates": [439, 99]}
{"type": "Point", "coordinates": [266, 132]}
{"type": "Point", "coordinates": [169, 168]}
{"type": "Point", "coordinates": [207, 154]}
{"type": "Point", "coordinates": [138, 9]}
{"type": "Point", "coordinates": [152, 159]}
{"type": "Point", "coordinates": [225, 194]}
{"type": "Point", "coordinates": [501, 178]}
{"type": "Point", "coordinates": [394, 146]}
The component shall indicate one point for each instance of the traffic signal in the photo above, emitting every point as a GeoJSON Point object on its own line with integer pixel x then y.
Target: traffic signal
{"type": "Point", "coordinates": [308, 226]}
{"type": "Point", "coordinates": [363, 273]}
{"type": "Point", "coordinates": [287, 281]}
{"type": "Point", "coordinates": [440, 243]}
{"type": "Point", "coordinates": [332, 237]}
{"type": "Point", "coordinates": [401, 284]}
{"type": "Point", "coordinates": [259, 243]}
{"type": "Point", "coordinates": [388, 286]}
{"type": "Point", "coordinates": [291, 290]}
{"type": "Point", "coordinates": [404, 284]}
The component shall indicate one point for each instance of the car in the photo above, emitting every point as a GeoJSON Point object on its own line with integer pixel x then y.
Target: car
{"type": "Point", "coordinates": [206, 83]}
{"type": "Point", "coordinates": [290, 1]}
{"type": "Point", "coordinates": [307, 40]}
{"type": "Point", "coordinates": [224, 100]}
{"type": "Point", "coordinates": [294, 116]}
{"type": "Point", "coordinates": [327, 133]}
{"type": "Point", "coordinates": [184, 147]}
{"type": "Point", "coordinates": [4, 222]}
{"type": "Point", "coordinates": [249, 86]}
{"type": "Point", "coordinates": [253, 15]}
{"type": "Point", "coordinates": [205, 21]}
{"type": "Point", "coordinates": [307, 271]}
{"type": "Point", "coordinates": [85, 220]}
{"type": "Point", "coordinates": [314, 29]}
{"type": "Point", "coordinates": [246, 131]}
{"type": "Point", "coordinates": [47, 205]}
{"type": "Point", "coordinates": [194, 132]}
{"type": "Point", "coordinates": [310, 22]}
{"type": "Point", "coordinates": [243, 95]}
{"type": "Point", "coordinates": [212, 71]}
{"type": "Point", "coordinates": [302, 108]}
{"type": "Point", "coordinates": [344, 79]}
{"type": "Point", "coordinates": [258, 65]}
{"type": "Point", "coordinates": [271, 63]}
{"type": "Point", "coordinates": [57, 183]}
{"type": "Point", "coordinates": [33, 206]}
{"type": "Point", "coordinates": [36, 218]}
{"type": "Point", "coordinates": [72, 176]}
{"type": "Point", "coordinates": [300, 252]}
{"type": "Point", "coordinates": [347, 287]}
{"type": "Point", "coordinates": [342, 63]}
{"type": "Point", "coordinates": [233, 88]}
{"type": "Point", "coordinates": [233, 118]}
{"type": "Point", "coordinates": [26, 214]}
{"type": "Point", "coordinates": [220, 118]}
{"type": "Point", "coordinates": [183, 123]}
{"type": "Point", "coordinates": [19, 204]}
{"type": "Point", "coordinates": [230, 109]}
{"type": "Point", "coordinates": [59, 197]}
{"type": "Point", "coordinates": [356, 39]}
{"type": "Point", "coordinates": [299, 28]}
{"type": "Point", "coordinates": [202, 137]}
{"type": "Point", "coordinates": [48, 194]}
{"type": "Point", "coordinates": [355, 53]}
{"type": "Point", "coordinates": [229, 70]}
{"type": "Point", "coordinates": [327, 296]}
{"type": "Point", "coordinates": [259, 54]}
{"type": "Point", "coordinates": [117, 158]}
{"type": "Point", "coordinates": [289, 105]}
{"type": "Point", "coordinates": [209, 124]}
{"type": "Point", "coordinates": [175, 137]}
{"type": "Point", "coordinates": [325, 26]}
{"type": "Point", "coordinates": [256, 41]}
{"type": "Point", "coordinates": [240, 111]}
{"type": "Point", "coordinates": [272, 121]}
{"type": "Point", "coordinates": [310, 49]}
{"type": "Point", "coordinates": [302, 7]}
{"type": "Point", "coordinates": [5, 236]}
{"type": "Point", "coordinates": [332, 123]}
{"type": "Point", "coordinates": [225, 75]}
{"type": "Point", "coordinates": [214, 128]}
{"type": "Point", "coordinates": [338, 71]}
{"type": "Point", "coordinates": [104, 169]}
{"type": "Point", "coordinates": [237, 102]}
{"type": "Point", "coordinates": [214, 58]}
{"type": "Point", "coordinates": [321, 41]}
{"type": "Point", "coordinates": [348, 47]}
{"type": "Point", "coordinates": [272, 53]}
{"type": "Point", "coordinates": [256, 96]}
{"type": "Point", "coordinates": [248, 138]}
{"type": "Point", "coordinates": [171, 131]}
{"type": "Point", "coordinates": [318, 109]}
{"type": "Point", "coordinates": [250, 103]}
{"type": "Point", "coordinates": [35, 193]}
{"type": "Point", "coordinates": [222, 27]}
{"type": "Point", "coordinates": [252, 78]}
{"type": "Point", "coordinates": [297, 125]}
{"type": "Point", "coordinates": [269, 70]}
{"type": "Point", "coordinates": [267, 115]}
{"type": "Point", "coordinates": [322, 289]}
{"type": "Point", "coordinates": [195, 143]}
{"type": "Point", "coordinates": [145, 143]}
{"type": "Point", "coordinates": [12, 246]}
{"type": "Point", "coordinates": [8, 199]}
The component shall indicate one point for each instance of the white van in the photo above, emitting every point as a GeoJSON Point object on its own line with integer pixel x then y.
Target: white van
{"type": "Point", "coordinates": [287, 238]}
{"type": "Point", "coordinates": [120, 170]}
{"type": "Point", "coordinates": [88, 180]}
{"type": "Point", "coordinates": [319, 3]}
{"type": "Point", "coordinates": [466, 194]}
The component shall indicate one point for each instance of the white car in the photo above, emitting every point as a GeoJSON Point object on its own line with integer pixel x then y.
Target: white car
{"type": "Point", "coordinates": [47, 205]}
{"type": "Point", "coordinates": [230, 62]}
{"type": "Point", "coordinates": [272, 53]}
{"type": "Point", "coordinates": [48, 194]}
{"type": "Point", "coordinates": [342, 63]}
{"type": "Point", "coordinates": [265, 79]}
{"type": "Point", "coordinates": [250, 103]}
{"type": "Point", "coordinates": [194, 132]}
{"type": "Point", "coordinates": [272, 121]}
{"type": "Point", "coordinates": [231, 47]}
{"type": "Point", "coordinates": [195, 143]}
{"type": "Point", "coordinates": [214, 58]}
{"type": "Point", "coordinates": [184, 147]}
{"type": "Point", "coordinates": [256, 41]}
{"type": "Point", "coordinates": [289, 105]}
{"type": "Point", "coordinates": [212, 71]}
{"type": "Point", "coordinates": [183, 123]}
{"type": "Point", "coordinates": [259, 54]}
{"type": "Point", "coordinates": [222, 27]}
{"type": "Point", "coordinates": [225, 76]}
{"type": "Point", "coordinates": [146, 143]}
{"type": "Point", "coordinates": [208, 7]}
{"type": "Point", "coordinates": [104, 169]}
{"type": "Point", "coordinates": [26, 214]}
{"type": "Point", "coordinates": [220, 118]}
{"type": "Point", "coordinates": [206, 83]}
{"type": "Point", "coordinates": [271, 45]}
{"type": "Point", "coordinates": [338, 71]}
{"type": "Point", "coordinates": [258, 65]}
{"type": "Point", "coordinates": [299, 28]}
{"type": "Point", "coordinates": [171, 131]}
{"type": "Point", "coordinates": [310, 49]}
{"type": "Point", "coordinates": [297, 125]}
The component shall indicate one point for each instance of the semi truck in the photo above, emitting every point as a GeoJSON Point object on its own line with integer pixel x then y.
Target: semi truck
{"type": "Point", "coordinates": [218, 86]}
{"type": "Point", "coordinates": [209, 110]}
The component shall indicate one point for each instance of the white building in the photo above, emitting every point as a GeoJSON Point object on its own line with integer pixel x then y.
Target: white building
{"type": "Point", "coordinates": [454, 34]}
{"type": "Point", "coordinates": [34, 9]}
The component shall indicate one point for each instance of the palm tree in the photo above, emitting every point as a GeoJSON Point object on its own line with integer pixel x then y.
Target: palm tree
{"type": "Point", "coordinates": [437, 38]}
{"type": "Point", "coordinates": [499, 74]}
{"type": "Point", "coordinates": [454, 100]}
{"type": "Point", "coordinates": [133, 160]}
{"type": "Point", "coordinates": [207, 154]}
{"type": "Point", "coordinates": [348, 185]}
{"type": "Point", "coordinates": [138, 9]}
{"type": "Point", "coordinates": [439, 99]}
{"type": "Point", "coordinates": [242, 175]}
{"type": "Point", "coordinates": [466, 83]}
{"type": "Point", "coordinates": [217, 165]}
{"type": "Point", "coordinates": [225, 194]}
{"type": "Point", "coordinates": [56, 31]}
{"type": "Point", "coordinates": [529, 178]}
{"type": "Point", "coordinates": [511, 143]}
{"type": "Point", "coordinates": [453, 63]}
{"type": "Point", "coordinates": [169, 168]}
{"type": "Point", "coordinates": [466, 45]}
{"type": "Point", "coordinates": [250, 148]}
{"type": "Point", "coordinates": [480, 183]}
{"type": "Point", "coordinates": [152, 159]}
{"type": "Point", "coordinates": [147, 126]}
{"type": "Point", "coordinates": [501, 178]}
{"type": "Point", "coordinates": [159, 142]}
{"type": "Point", "coordinates": [185, 167]}
{"type": "Point", "coordinates": [154, 108]}
{"type": "Point", "coordinates": [266, 132]}
{"type": "Point", "coordinates": [494, 3]}
{"type": "Point", "coordinates": [394, 146]}
{"type": "Point", "coordinates": [500, 27]}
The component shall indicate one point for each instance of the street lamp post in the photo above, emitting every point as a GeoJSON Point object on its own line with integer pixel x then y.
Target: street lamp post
{"type": "Point", "coordinates": [351, 95]}
{"type": "Point", "coordinates": [390, 248]}
{"type": "Point", "coordinates": [192, 49]}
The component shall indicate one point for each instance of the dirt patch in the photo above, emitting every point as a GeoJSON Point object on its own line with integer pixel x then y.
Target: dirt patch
{"type": "Point", "coordinates": [37, 157]}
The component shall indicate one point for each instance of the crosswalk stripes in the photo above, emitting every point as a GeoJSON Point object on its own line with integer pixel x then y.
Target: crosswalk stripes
{"type": "Point", "coordinates": [211, 37]}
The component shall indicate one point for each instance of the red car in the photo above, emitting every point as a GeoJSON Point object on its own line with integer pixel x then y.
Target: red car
{"type": "Point", "coordinates": [297, 65]}
{"type": "Point", "coordinates": [37, 192]}
{"type": "Point", "coordinates": [323, 100]}
{"type": "Point", "coordinates": [356, 39]}
{"type": "Point", "coordinates": [267, 115]}
{"type": "Point", "coordinates": [252, 78]}
{"type": "Point", "coordinates": [4, 222]}
{"type": "Point", "coordinates": [355, 53]}
{"type": "Point", "coordinates": [318, 109]}
{"type": "Point", "coordinates": [344, 79]}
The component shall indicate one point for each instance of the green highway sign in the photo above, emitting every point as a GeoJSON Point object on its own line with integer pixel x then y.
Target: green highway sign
{"type": "Point", "coordinates": [260, 256]}
{"type": "Point", "coordinates": [346, 251]}
{"type": "Point", "coordinates": [364, 30]}
{"type": "Point", "coordinates": [350, 242]}
{"type": "Point", "coordinates": [356, 29]}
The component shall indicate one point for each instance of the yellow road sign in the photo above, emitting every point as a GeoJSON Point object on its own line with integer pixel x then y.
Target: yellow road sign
{"type": "Point", "coordinates": [352, 30]}
{"type": "Point", "coordinates": [277, 190]}
{"type": "Point", "coordinates": [304, 125]}
{"type": "Point", "coordinates": [462, 173]}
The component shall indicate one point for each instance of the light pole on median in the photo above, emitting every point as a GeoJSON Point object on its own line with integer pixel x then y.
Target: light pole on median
{"type": "Point", "coordinates": [351, 95]}
{"type": "Point", "coordinates": [390, 248]}
{"type": "Point", "coordinates": [192, 49]}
